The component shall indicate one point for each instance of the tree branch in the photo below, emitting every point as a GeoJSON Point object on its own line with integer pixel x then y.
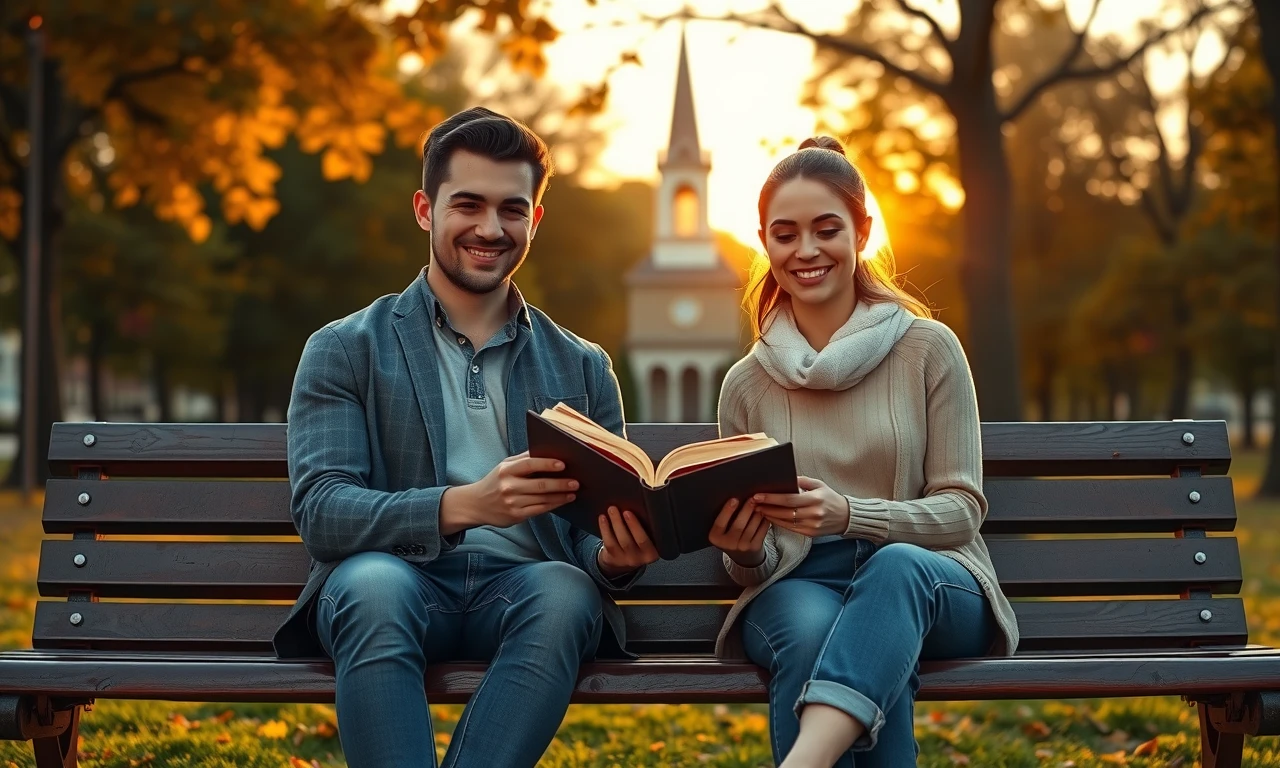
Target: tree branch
{"type": "Point", "coordinates": [1064, 71]}
{"type": "Point", "coordinates": [1164, 163]}
{"type": "Point", "coordinates": [116, 91]}
{"type": "Point", "coordinates": [1106, 131]}
{"type": "Point", "coordinates": [781, 22]}
{"type": "Point", "coordinates": [938, 34]}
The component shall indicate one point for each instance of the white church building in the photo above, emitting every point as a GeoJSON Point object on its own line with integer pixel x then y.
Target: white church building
{"type": "Point", "coordinates": [684, 324]}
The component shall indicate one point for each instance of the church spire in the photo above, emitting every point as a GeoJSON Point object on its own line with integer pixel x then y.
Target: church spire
{"type": "Point", "coordinates": [683, 147]}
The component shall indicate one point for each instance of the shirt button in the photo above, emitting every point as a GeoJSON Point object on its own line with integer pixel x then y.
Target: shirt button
{"type": "Point", "coordinates": [439, 323]}
{"type": "Point", "coordinates": [475, 369]}
{"type": "Point", "coordinates": [462, 339]}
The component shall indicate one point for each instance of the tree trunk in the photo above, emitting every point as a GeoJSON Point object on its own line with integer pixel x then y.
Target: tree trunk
{"type": "Point", "coordinates": [220, 400]}
{"type": "Point", "coordinates": [987, 254]}
{"type": "Point", "coordinates": [48, 377]}
{"type": "Point", "coordinates": [1269, 23]}
{"type": "Point", "coordinates": [1248, 436]}
{"type": "Point", "coordinates": [1134, 389]}
{"type": "Point", "coordinates": [97, 345]}
{"type": "Point", "coordinates": [1113, 391]}
{"type": "Point", "coordinates": [1048, 369]}
{"type": "Point", "coordinates": [160, 383]}
{"type": "Point", "coordinates": [1180, 386]}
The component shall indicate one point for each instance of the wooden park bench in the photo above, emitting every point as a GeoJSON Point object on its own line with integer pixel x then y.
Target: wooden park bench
{"type": "Point", "coordinates": [1114, 515]}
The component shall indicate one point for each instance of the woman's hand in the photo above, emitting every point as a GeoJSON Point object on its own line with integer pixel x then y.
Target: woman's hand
{"type": "Point", "coordinates": [740, 535]}
{"type": "Point", "coordinates": [815, 511]}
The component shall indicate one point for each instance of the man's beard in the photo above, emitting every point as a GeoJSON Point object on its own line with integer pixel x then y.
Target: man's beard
{"type": "Point", "coordinates": [450, 261]}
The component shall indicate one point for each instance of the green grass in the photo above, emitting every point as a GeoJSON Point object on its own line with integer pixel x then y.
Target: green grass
{"type": "Point", "coordinates": [1135, 732]}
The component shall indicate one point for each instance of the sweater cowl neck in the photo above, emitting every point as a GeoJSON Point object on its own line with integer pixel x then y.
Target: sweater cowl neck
{"type": "Point", "coordinates": [854, 351]}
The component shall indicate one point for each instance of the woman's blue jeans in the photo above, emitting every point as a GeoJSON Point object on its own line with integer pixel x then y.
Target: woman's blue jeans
{"type": "Point", "coordinates": [848, 627]}
{"type": "Point", "coordinates": [383, 620]}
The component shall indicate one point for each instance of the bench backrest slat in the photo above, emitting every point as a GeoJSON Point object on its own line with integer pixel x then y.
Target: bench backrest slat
{"type": "Point", "coordinates": [176, 492]}
{"type": "Point", "coordinates": [278, 570]}
{"type": "Point", "coordinates": [681, 628]}
{"type": "Point", "coordinates": [1009, 449]}
{"type": "Point", "coordinates": [261, 507]}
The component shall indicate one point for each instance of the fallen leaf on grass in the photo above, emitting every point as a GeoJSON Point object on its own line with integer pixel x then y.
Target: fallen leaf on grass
{"type": "Point", "coordinates": [1037, 729]}
{"type": "Point", "coordinates": [1116, 758]}
{"type": "Point", "coordinates": [1147, 748]}
{"type": "Point", "coordinates": [225, 716]}
{"type": "Point", "coordinates": [224, 738]}
{"type": "Point", "coordinates": [657, 746]}
{"type": "Point", "coordinates": [273, 729]}
{"type": "Point", "coordinates": [959, 758]}
{"type": "Point", "coordinates": [1044, 754]}
{"type": "Point", "coordinates": [326, 730]}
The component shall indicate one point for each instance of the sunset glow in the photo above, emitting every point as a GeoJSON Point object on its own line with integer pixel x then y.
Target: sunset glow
{"type": "Point", "coordinates": [748, 83]}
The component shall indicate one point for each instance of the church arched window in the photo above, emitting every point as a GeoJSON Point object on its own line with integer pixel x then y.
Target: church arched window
{"type": "Point", "coordinates": [658, 394]}
{"type": "Point", "coordinates": [686, 212]}
{"type": "Point", "coordinates": [689, 395]}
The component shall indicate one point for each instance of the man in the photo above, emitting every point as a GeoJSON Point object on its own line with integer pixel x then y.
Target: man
{"type": "Point", "coordinates": [414, 493]}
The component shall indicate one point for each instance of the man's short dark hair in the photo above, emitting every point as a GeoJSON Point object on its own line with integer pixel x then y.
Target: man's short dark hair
{"type": "Point", "coordinates": [486, 133]}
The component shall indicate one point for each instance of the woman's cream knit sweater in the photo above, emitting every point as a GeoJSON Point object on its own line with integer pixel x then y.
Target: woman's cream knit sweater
{"type": "Point", "coordinates": [903, 445]}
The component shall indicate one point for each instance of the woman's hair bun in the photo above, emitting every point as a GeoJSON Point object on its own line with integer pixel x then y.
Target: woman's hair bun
{"type": "Point", "coordinates": [823, 142]}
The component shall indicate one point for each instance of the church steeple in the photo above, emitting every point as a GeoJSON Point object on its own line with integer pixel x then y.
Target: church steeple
{"type": "Point", "coordinates": [683, 148]}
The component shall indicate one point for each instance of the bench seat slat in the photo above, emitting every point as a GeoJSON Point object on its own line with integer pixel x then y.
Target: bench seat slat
{"type": "Point", "coordinates": [278, 570]}
{"type": "Point", "coordinates": [261, 507]}
{"type": "Point", "coordinates": [681, 628]}
{"type": "Point", "coordinates": [1009, 449]}
{"type": "Point", "coordinates": [102, 674]}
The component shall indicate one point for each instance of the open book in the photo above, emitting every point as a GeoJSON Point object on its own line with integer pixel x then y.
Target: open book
{"type": "Point", "coordinates": [678, 499]}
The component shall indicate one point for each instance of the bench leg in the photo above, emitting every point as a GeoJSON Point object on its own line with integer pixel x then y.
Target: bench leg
{"type": "Point", "coordinates": [1218, 749]}
{"type": "Point", "coordinates": [59, 751]}
{"type": "Point", "coordinates": [52, 727]}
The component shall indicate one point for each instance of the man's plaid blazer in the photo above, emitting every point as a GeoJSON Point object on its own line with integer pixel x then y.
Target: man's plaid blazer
{"type": "Point", "coordinates": [366, 442]}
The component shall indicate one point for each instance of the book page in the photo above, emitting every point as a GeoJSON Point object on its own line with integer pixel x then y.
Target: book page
{"type": "Point", "coordinates": [710, 452]}
{"type": "Point", "coordinates": [595, 435]}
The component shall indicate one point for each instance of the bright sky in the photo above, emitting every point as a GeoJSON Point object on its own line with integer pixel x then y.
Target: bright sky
{"type": "Point", "coordinates": [746, 83]}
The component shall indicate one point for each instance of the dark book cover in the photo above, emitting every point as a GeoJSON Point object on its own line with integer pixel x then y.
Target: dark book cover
{"type": "Point", "coordinates": [678, 515]}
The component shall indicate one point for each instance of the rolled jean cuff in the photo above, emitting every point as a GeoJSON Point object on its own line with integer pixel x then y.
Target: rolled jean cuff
{"type": "Point", "coordinates": [848, 701]}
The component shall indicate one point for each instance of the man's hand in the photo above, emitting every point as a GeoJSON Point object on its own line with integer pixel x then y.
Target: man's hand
{"type": "Point", "coordinates": [816, 511]}
{"type": "Point", "coordinates": [626, 545]}
{"type": "Point", "coordinates": [741, 535]}
{"type": "Point", "coordinates": [507, 495]}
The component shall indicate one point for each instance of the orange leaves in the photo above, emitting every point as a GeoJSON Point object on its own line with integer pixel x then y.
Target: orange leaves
{"type": "Point", "coordinates": [273, 729]}
{"type": "Point", "coordinates": [525, 54]}
{"type": "Point", "coordinates": [1147, 748]}
{"type": "Point", "coordinates": [189, 104]}
{"type": "Point", "coordinates": [239, 205]}
{"type": "Point", "coordinates": [10, 212]}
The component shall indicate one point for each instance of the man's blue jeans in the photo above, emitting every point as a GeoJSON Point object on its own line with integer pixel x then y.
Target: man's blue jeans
{"type": "Point", "coordinates": [383, 620]}
{"type": "Point", "coordinates": [848, 627]}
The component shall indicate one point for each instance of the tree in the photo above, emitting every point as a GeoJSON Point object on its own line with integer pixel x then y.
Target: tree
{"type": "Point", "coordinates": [143, 298]}
{"type": "Point", "coordinates": [1117, 129]}
{"type": "Point", "coordinates": [1268, 16]}
{"type": "Point", "coordinates": [904, 150]}
{"type": "Point", "coordinates": [961, 69]}
{"type": "Point", "coordinates": [183, 104]}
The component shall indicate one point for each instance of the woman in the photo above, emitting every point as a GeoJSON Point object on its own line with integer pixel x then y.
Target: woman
{"type": "Point", "coordinates": [878, 561]}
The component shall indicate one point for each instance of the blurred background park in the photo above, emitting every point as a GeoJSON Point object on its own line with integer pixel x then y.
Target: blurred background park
{"type": "Point", "coordinates": [1085, 191]}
